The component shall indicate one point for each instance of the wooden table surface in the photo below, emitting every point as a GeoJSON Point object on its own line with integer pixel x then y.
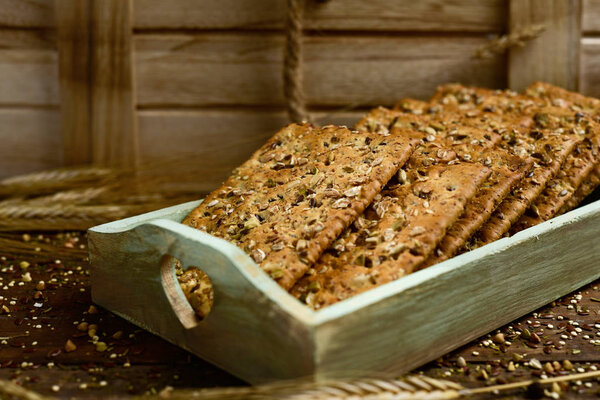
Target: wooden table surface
{"type": "Point", "coordinates": [37, 320]}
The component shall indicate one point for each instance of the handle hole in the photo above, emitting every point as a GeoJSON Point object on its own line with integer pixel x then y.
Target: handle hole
{"type": "Point", "coordinates": [196, 286]}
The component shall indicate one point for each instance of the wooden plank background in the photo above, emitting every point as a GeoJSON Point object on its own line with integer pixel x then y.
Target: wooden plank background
{"type": "Point", "coordinates": [206, 74]}
{"type": "Point", "coordinates": [562, 22]}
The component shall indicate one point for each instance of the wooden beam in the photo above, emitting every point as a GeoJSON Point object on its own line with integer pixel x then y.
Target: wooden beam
{"type": "Point", "coordinates": [113, 127]}
{"type": "Point", "coordinates": [30, 13]}
{"type": "Point", "coordinates": [553, 57]}
{"type": "Point", "coordinates": [210, 143]}
{"type": "Point", "coordinates": [245, 69]}
{"type": "Point", "coordinates": [330, 15]}
{"type": "Point", "coordinates": [73, 38]}
{"type": "Point", "coordinates": [591, 16]}
{"type": "Point", "coordinates": [590, 65]}
{"type": "Point", "coordinates": [30, 140]}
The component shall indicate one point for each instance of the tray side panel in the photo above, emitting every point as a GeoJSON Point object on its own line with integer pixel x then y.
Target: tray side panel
{"type": "Point", "coordinates": [423, 322]}
{"type": "Point", "coordinates": [246, 333]}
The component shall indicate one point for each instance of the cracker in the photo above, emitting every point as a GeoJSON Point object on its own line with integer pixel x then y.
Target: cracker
{"type": "Point", "coordinates": [523, 118]}
{"type": "Point", "coordinates": [298, 192]}
{"type": "Point", "coordinates": [589, 184]}
{"type": "Point", "coordinates": [396, 233]}
{"type": "Point", "coordinates": [578, 165]}
{"type": "Point", "coordinates": [412, 106]}
{"type": "Point", "coordinates": [507, 171]}
{"type": "Point", "coordinates": [197, 288]}
{"type": "Point", "coordinates": [465, 98]}
{"type": "Point", "coordinates": [517, 202]}
{"type": "Point", "coordinates": [448, 125]}
{"type": "Point", "coordinates": [575, 102]}
{"type": "Point", "coordinates": [560, 189]}
{"type": "Point", "coordinates": [560, 97]}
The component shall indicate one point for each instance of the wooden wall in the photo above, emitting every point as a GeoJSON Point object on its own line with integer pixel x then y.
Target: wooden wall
{"type": "Point", "coordinates": [205, 75]}
{"type": "Point", "coordinates": [30, 137]}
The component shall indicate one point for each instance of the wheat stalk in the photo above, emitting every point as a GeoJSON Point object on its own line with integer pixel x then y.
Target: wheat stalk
{"type": "Point", "coordinates": [14, 391]}
{"type": "Point", "coordinates": [79, 198]}
{"type": "Point", "coordinates": [501, 44]}
{"type": "Point", "coordinates": [13, 245]}
{"type": "Point", "coordinates": [409, 388]}
{"type": "Point", "coordinates": [73, 196]}
{"type": "Point", "coordinates": [60, 216]}
{"type": "Point", "coordinates": [52, 180]}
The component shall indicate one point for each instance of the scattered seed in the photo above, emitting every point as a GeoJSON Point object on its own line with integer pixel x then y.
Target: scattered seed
{"type": "Point", "coordinates": [70, 346]}
{"type": "Point", "coordinates": [101, 346]}
{"type": "Point", "coordinates": [535, 363]}
{"type": "Point", "coordinates": [567, 365]}
{"type": "Point", "coordinates": [499, 338]}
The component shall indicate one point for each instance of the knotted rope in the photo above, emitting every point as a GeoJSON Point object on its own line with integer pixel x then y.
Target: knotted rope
{"type": "Point", "coordinates": [293, 89]}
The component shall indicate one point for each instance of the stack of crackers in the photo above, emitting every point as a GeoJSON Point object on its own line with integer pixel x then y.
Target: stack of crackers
{"type": "Point", "coordinates": [330, 212]}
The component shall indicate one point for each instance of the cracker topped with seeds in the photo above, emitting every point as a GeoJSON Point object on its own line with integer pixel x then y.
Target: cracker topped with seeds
{"type": "Point", "coordinates": [298, 192]}
{"type": "Point", "coordinates": [578, 165]}
{"type": "Point", "coordinates": [581, 106]}
{"type": "Point", "coordinates": [447, 125]}
{"type": "Point", "coordinates": [507, 172]}
{"type": "Point", "coordinates": [393, 236]}
{"type": "Point", "coordinates": [527, 129]}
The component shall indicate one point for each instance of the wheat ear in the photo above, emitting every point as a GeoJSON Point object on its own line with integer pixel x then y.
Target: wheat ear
{"type": "Point", "coordinates": [409, 388]}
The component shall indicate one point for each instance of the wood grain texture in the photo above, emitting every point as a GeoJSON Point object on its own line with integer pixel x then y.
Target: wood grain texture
{"type": "Point", "coordinates": [395, 15]}
{"type": "Point", "coordinates": [553, 57]}
{"type": "Point", "coordinates": [113, 123]}
{"type": "Point", "coordinates": [224, 69]}
{"type": "Point", "coordinates": [30, 140]}
{"type": "Point", "coordinates": [234, 283]}
{"type": "Point", "coordinates": [27, 13]}
{"type": "Point", "coordinates": [156, 363]}
{"type": "Point", "coordinates": [28, 68]}
{"type": "Point", "coordinates": [591, 16]}
{"type": "Point", "coordinates": [390, 329]}
{"type": "Point", "coordinates": [74, 49]}
{"type": "Point", "coordinates": [197, 138]}
{"type": "Point", "coordinates": [590, 66]}
{"type": "Point", "coordinates": [28, 77]}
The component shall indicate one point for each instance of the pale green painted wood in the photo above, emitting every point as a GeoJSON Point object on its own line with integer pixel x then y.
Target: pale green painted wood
{"type": "Point", "coordinates": [260, 333]}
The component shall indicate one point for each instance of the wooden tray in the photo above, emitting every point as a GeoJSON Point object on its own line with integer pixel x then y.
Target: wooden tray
{"type": "Point", "coordinates": [260, 333]}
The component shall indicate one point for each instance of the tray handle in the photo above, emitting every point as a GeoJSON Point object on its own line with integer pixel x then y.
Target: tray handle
{"type": "Point", "coordinates": [238, 284]}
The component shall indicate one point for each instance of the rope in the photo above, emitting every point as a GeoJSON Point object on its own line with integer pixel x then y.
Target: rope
{"type": "Point", "coordinates": [292, 63]}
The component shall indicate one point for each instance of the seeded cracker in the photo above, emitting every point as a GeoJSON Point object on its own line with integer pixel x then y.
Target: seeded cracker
{"type": "Point", "coordinates": [419, 177]}
{"type": "Point", "coordinates": [507, 169]}
{"type": "Point", "coordinates": [297, 193]}
{"type": "Point", "coordinates": [197, 288]}
{"type": "Point", "coordinates": [578, 165]}
{"type": "Point", "coordinates": [577, 103]}
{"type": "Point", "coordinates": [512, 115]}
{"type": "Point", "coordinates": [448, 125]}
{"type": "Point", "coordinates": [587, 187]}
{"type": "Point", "coordinates": [394, 235]}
